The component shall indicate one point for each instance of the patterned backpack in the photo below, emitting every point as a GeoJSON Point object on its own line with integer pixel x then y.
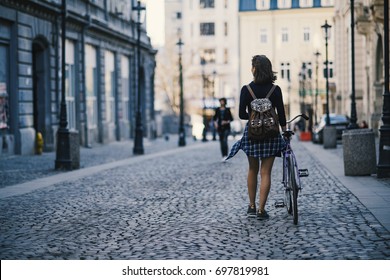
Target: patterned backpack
{"type": "Point", "coordinates": [263, 121]}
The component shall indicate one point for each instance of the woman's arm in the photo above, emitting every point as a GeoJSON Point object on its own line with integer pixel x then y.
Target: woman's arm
{"type": "Point", "coordinates": [242, 112]}
{"type": "Point", "coordinates": [280, 109]}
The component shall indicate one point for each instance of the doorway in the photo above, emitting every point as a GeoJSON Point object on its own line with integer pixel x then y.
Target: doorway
{"type": "Point", "coordinates": [41, 93]}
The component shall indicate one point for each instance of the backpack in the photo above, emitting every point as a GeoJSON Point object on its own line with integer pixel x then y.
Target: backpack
{"type": "Point", "coordinates": [263, 121]}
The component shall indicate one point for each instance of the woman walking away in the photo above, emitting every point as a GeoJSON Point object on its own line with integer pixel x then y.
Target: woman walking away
{"type": "Point", "coordinates": [222, 119]}
{"type": "Point", "coordinates": [261, 153]}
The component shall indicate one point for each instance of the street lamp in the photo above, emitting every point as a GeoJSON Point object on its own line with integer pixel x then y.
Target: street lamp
{"type": "Point", "coordinates": [325, 27]}
{"type": "Point", "coordinates": [138, 140]}
{"type": "Point", "coordinates": [317, 54]}
{"type": "Point", "coordinates": [214, 130]}
{"type": "Point", "coordinates": [353, 119]}
{"type": "Point", "coordinates": [63, 156]}
{"type": "Point", "coordinates": [302, 94]}
{"type": "Point", "coordinates": [383, 167]}
{"type": "Point", "coordinates": [203, 62]}
{"type": "Point", "coordinates": [182, 140]}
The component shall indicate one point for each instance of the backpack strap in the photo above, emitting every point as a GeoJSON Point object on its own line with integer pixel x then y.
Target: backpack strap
{"type": "Point", "coordinates": [271, 91]}
{"type": "Point", "coordinates": [254, 96]}
{"type": "Point", "coordinates": [251, 91]}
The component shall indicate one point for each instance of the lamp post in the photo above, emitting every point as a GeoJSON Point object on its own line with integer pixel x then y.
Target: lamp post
{"type": "Point", "coordinates": [383, 167]}
{"type": "Point", "coordinates": [329, 134]}
{"type": "Point", "coordinates": [63, 156]}
{"type": "Point", "coordinates": [138, 140]}
{"type": "Point", "coordinates": [204, 138]}
{"type": "Point", "coordinates": [302, 79]}
{"type": "Point", "coordinates": [182, 140]}
{"type": "Point", "coordinates": [317, 54]}
{"type": "Point", "coordinates": [214, 130]}
{"type": "Point", "coordinates": [353, 119]}
{"type": "Point", "coordinates": [326, 26]}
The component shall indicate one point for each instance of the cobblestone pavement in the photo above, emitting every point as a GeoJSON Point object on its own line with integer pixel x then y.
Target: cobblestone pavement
{"type": "Point", "coordinates": [17, 169]}
{"type": "Point", "coordinates": [188, 205]}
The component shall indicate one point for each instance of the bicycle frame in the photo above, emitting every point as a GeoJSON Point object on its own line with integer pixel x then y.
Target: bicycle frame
{"type": "Point", "coordinates": [287, 153]}
{"type": "Point", "coordinates": [291, 176]}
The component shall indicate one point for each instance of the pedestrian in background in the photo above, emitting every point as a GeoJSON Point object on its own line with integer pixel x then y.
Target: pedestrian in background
{"type": "Point", "coordinates": [261, 154]}
{"type": "Point", "coordinates": [222, 119]}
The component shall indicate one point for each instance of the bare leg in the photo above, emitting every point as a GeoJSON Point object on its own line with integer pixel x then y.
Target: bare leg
{"type": "Point", "coordinates": [252, 178]}
{"type": "Point", "coordinates": [265, 184]}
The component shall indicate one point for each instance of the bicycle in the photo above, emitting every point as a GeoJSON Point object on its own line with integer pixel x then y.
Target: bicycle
{"type": "Point", "coordinates": [291, 175]}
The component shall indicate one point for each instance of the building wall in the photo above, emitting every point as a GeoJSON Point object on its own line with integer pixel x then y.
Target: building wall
{"type": "Point", "coordinates": [222, 72]}
{"type": "Point", "coordinates": [277, 30]}
{"type": "Point", "coordinates": [32, 40]}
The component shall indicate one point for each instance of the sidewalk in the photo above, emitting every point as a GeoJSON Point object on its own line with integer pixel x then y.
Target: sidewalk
{"type": "Point", "coordinates": [372, 192]}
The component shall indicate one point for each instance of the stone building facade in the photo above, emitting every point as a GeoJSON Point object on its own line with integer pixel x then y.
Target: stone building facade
{"type": "Point", "coordinates": [369, 53]}
{"type": "Point", "coordinates": [101, 72]}
{"type": "Point", "coordinates": [209, 30]}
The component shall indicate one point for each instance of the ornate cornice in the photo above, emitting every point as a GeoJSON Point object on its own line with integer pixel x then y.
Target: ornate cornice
{"type": "Point", "coordinates": [43, 10]}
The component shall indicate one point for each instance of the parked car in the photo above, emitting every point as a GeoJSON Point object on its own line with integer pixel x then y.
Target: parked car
{"type": "Point", "coordinates": [339, 121]}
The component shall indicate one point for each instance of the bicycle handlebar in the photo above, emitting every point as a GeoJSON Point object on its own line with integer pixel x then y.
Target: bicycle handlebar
{"type": "Point", "coordinates": [300, 115]}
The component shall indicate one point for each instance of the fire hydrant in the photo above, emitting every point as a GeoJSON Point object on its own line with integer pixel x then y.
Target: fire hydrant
{"type": "Point", "coordinates": [39, 143]}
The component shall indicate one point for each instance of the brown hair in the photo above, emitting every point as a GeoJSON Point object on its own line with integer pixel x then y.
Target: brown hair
{"type": "Point", "coordinates": [263, 70]}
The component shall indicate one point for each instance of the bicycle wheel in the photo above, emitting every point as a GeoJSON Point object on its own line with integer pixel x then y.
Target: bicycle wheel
{"type": "Point", "coordinates": [288, 190]}
{"type": "Point", "coordinates": [294, 190]}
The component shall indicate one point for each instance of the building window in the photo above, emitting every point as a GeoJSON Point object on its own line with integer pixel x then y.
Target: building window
{"type": "Point", "coordinates": [4, 106]}
{"type": "Point", "coordinates": [226, 4]}
{"type": "Point", "coordinates": [330, 68]}
{"type": "Point", "coordinates": [91, 86]}
{"type": "Point", "coordinates": [178, 15]}
{"type": "Point", "coordinates": [125, 79]}
{"type": "Point", "coordinates": [309, 70]}
{"type": "Point", "coordinates": [204, 4]}
{"type": "Point", "coordinates": [207, 29]}
{"type": "Point", "coordinates": [109, 79]}
{"type": "Point", "coordinates": [284, 4]}
{"type": "Point", "coordinates": [285, 70]}
{"type": "Point", "coordinates": [263, 36]}
{"type": "Point", "coordinates": [207, 56]}
{"type": "Point", "coordinates": [284, 35]}
{"type": "Point", "coordinates": [262, 4]}
{"type": "Point", "coordinates": [306, 34]}
{"type": "Point", "coordinates": [305, 3]}
{"type": "Point", "coordinates": [225, 28]}
{"type": "Point", "coordinates": [70, 84]}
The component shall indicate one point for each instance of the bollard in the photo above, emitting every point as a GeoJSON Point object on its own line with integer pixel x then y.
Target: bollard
{"type": "Point", "coordinates": [39, 143]}
{"type": "Point", "coordinates": [359, 152]}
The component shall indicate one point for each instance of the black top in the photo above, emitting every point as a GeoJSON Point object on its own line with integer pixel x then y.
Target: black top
{"type": "Point", "coordinates": [261, 91]}
{"type": "Point", "coordinates": [223, 115]}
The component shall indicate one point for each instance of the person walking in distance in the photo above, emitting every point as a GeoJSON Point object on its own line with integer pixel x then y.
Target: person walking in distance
{"type": "Point", "coordinates": [260, 153]}
{"type": "Point", "coordinates": [222, 119]}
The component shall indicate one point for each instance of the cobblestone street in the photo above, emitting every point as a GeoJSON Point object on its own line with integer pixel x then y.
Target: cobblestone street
{"type": "Point", "coordinates": [186, 204]}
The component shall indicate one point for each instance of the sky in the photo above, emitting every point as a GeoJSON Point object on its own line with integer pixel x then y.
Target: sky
{"type": "Point", "coordinates": [155, 21]}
